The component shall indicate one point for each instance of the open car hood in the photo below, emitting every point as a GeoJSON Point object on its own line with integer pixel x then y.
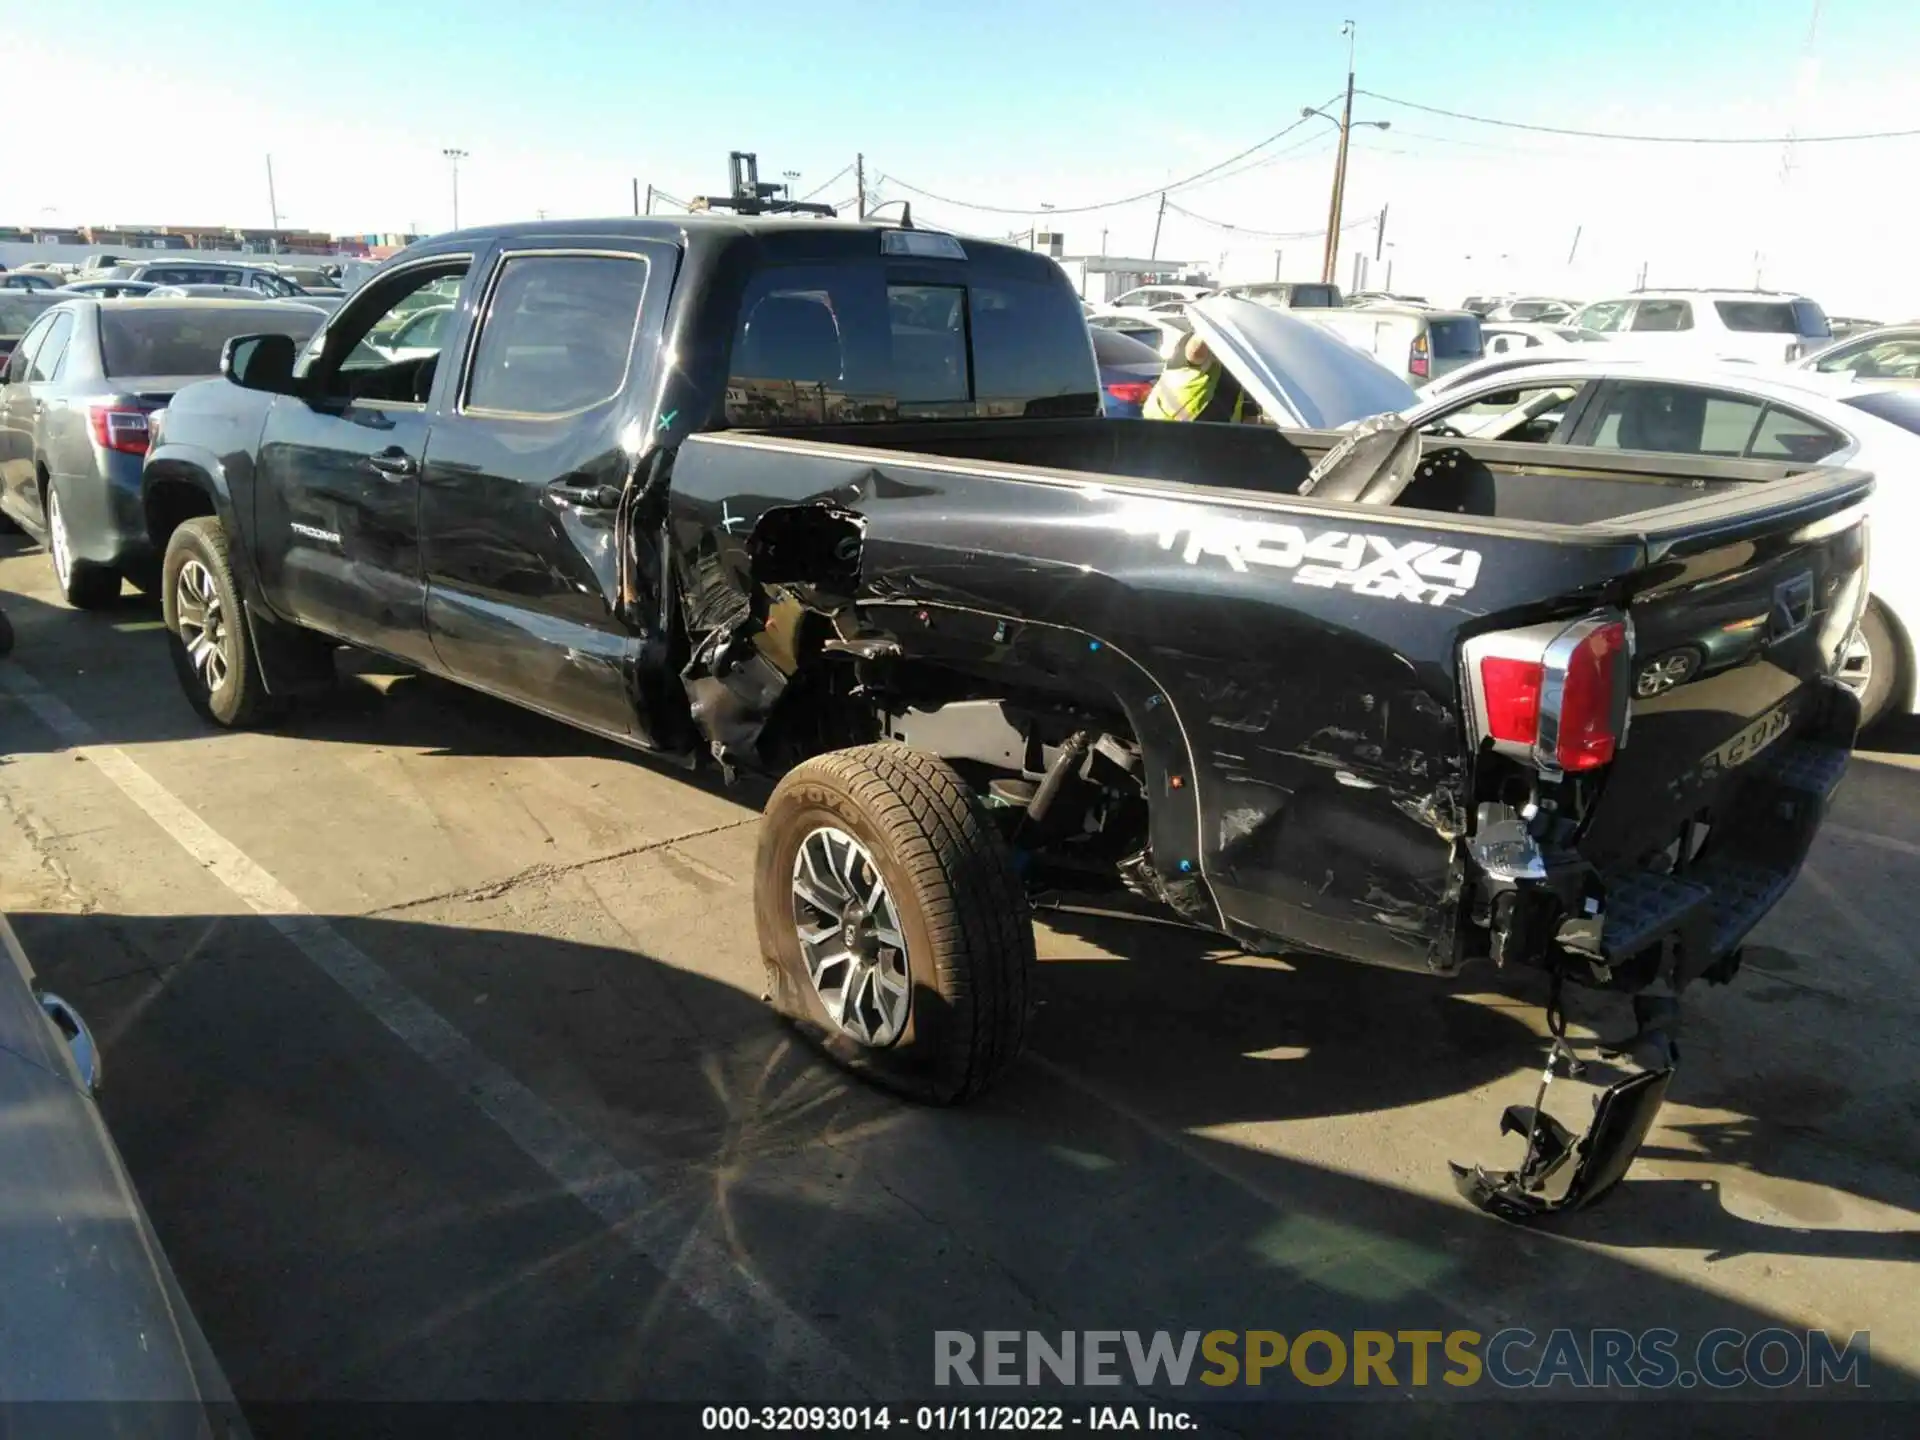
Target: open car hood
{"type": "Point", "coordinates": [1302, 375]}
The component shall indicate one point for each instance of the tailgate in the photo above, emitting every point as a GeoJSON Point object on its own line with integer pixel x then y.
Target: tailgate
{"type": "Point", "coordinates": [1737, 728]}
{"type": "Point", "coordinates": [1738, 625]}
{"type": "Point", "coordinates": [1653, 773]}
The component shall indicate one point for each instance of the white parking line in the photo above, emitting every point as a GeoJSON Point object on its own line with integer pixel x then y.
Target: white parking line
{"type": "Point", "coordinates": [713, 1281]}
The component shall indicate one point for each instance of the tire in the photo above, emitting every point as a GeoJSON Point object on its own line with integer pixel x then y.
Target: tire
{"type": "Point", "coordinates": [953, 895]}
{"type": "Point", "coordinates": [83, 585]}
{"type": "Point", "coordinates": [223, 681]}
{"type": "Point", "coordinates": [1887, 670]}
{"type": "Point", "coordinates": [6, 635]}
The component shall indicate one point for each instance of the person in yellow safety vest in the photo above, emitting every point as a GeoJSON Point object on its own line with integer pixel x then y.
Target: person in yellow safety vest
{"type": "Point", "coordinates": [1198, 389]}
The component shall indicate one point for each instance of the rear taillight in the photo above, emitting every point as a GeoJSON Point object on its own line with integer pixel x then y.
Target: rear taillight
{"type": "Point", "coordinates": [1512, 690]}
{"type": "Point", "coordinates": [120, 428]}
{"type": "Point", "coordinates": [1588, 699]}
{"type": "Point", "coordinates": [1417, 357]}
{"type": "Point", "coordinates": [1131, 392]}
{"type": "Point", "coordinates": [1553, 694]}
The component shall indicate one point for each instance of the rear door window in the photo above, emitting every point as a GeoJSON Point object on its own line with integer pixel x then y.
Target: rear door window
{"type": "Point", "coordinates": [46, 360]}
{"type": "Point", "coordinates": [1672, 419]}
{"type": "Point", "coordinates": [21, 359]}
{"type": "Point", "coordinates": [557, 334]}
{"type": "Point", "coordinates": [1663, 315]}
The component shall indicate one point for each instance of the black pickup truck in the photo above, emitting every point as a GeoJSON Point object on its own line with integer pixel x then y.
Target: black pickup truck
{"type": "Point", "coordinates": [837, 503]}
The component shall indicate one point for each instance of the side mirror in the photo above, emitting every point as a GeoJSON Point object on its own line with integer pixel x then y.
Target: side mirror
{"type": "Point", "coordinates": [259, 362]}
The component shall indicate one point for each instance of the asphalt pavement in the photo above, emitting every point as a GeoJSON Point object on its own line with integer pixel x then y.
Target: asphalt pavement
{"type": "Point", "coordinates": [434, 1042]}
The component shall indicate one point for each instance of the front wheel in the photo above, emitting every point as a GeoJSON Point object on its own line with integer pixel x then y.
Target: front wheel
{"type": "Point", "coordinates": [894, 928]}
{"type": "Point", "coordinates": [212, 652]}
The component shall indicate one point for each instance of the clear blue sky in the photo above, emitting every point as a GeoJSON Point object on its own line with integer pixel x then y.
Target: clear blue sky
{"type": "Point", "coordinates": [1022, 102]}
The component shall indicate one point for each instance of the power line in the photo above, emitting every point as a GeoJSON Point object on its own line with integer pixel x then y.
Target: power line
{"type": "Point", "coordinates": [1643, 139]}
{"type": "Point", "coordinates": [1105, 204]}
{"type": "Point", "coordinates": [1272, 234]}
{"type": "Point", "coordinates": [1316, 142]}
{"type": "Point", "coordinates": [844, 169]}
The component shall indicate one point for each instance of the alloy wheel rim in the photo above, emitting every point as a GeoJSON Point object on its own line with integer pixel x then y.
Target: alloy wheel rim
{"type": "Point", "coordinates": [850, 937]}
{"type": "Point", "coordinates": [1663, 674]}
{"type": "Point", "coordinates": [57, 541]}
{"type": "Point", "coordinates": [203, 624]}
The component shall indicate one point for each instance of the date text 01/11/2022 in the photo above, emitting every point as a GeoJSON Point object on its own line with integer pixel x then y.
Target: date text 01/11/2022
{"type": "Point", "coordinates": [799, 1419]}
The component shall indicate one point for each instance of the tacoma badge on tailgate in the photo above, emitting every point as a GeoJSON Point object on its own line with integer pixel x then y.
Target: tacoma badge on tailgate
{"type": "Point", "coordinates": [1737, 751]}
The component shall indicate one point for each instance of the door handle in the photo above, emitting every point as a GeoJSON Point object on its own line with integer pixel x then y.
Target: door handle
{"type": "Point", "coordinates": [586, 494]}
{"type": "Point", "coordinates": [394, 463]}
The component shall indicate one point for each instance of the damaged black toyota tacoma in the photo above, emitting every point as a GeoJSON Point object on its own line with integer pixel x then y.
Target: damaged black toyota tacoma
{"type": "Point", "coordinates": [836, 504]}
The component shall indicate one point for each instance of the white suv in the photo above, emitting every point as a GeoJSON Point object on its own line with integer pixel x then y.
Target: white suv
{"type": "Point", "coordinates": [1768, 326]}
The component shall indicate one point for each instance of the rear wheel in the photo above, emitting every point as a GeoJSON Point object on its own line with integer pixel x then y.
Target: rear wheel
{"type": "Point", "coordinates": [1872, 667]}
{"type": "Point", "coordinates": [893, 925]}
{"type": "Point", "coordinates": [212, 652]}
{"type": "Point", "coordinates": [83, 585]}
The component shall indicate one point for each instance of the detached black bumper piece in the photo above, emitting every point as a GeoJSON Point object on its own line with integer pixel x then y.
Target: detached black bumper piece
{"type": "Point", "coordinates": [1623, 1113]}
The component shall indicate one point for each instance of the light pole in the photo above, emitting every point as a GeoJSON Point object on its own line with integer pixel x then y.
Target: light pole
{"type": "Point", "coordinates": [790, 176]}
{"type": "Point", "coordinates": [454, 157]}
{"type": "Point", "coordinates": [1346, 123]}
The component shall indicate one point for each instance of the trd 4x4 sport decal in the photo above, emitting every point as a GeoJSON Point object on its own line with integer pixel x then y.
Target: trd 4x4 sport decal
{"type": "Point", "coordinates": [1416, 571]}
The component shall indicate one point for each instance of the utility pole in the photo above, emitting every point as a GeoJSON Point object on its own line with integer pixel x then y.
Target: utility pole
{"type": "Point", "coordinates": [272, 203]}
{"type": "Point", "coordinates": [1574, 248]}
{"type": "Point", "coordinates": [1276, 265]}
{"type": "Point", "coordinates": [1331, 258]}
{"type": "Point", "coordinates": [1103, 241]}
{"type": "Point", "coordinates": [1380, 234]}
{"type": "Point", "coordinates": [1332, 255]}
{"type": "Point", "coordinates": [1154, 254]}
{"type": "Point", "coordinates": [636, 194]}
{"type": "Point", "coordinates": [454, 157]}
{"type": "Point", "coordinates": [860, 184]}
{"type": "Point", "coordinates": [649, 199]}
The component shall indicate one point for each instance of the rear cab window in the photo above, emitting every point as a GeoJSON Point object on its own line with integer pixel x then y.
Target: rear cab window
{"type": "Point", "coordinates": [159, 339]}
{"type": "Point", "coordinates": [896, 337]}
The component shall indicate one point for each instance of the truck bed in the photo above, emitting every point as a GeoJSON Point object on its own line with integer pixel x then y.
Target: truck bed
{"type": "Point", "coordinates": [1552, 484]}
{"type": "Point", "coordinates": [1312, 650]}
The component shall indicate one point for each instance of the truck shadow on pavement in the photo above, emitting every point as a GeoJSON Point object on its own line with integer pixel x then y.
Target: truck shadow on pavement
{"type": "Point", "coordinates": [349, 1223]}
{"type": "Point", "coordinates": [128, 694]}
